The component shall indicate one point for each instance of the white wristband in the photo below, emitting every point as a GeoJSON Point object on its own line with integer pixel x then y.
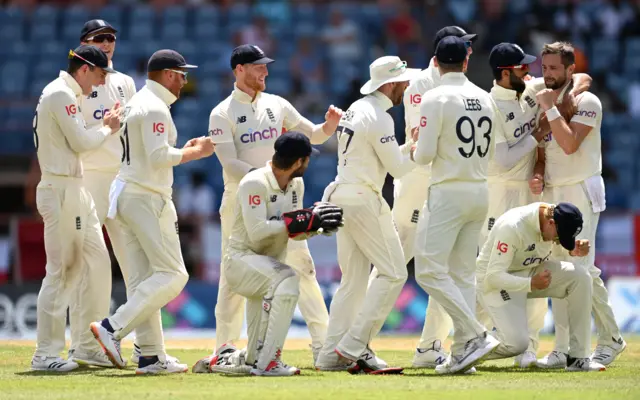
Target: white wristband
{"type": "Point", "coordinates": [553, 113]}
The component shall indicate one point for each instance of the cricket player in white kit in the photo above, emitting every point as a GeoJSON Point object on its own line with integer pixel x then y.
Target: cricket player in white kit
{"type": "Point", "coordinates": [93, 297]}
{"type": "Point", "coordinates": [367, 151]}
{"type": "Point", "coordinates": [514, 264]}
{"type": "Point", "coordinates": [244, 127]}
{"type": "Point", "coordinates": [410, 193]}
{"type": "Point", "coordinates": [517, 138]}
{"type": "Point", "coordinates": [456, 137]}
{"type": "Point", "coordinates": [140, 198]}
{"type": "Point", "coordinates": [572, 165]}
{"type": "Point", "coordinates": [72, 233]}
{"type": "Point", "coordinates": [267, 215]}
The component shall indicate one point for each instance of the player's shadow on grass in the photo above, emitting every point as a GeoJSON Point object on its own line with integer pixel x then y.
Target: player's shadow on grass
{"type": "Point", "coordinates": [495, 368]}
{"type": "Point", "coordinates": [51, 373]}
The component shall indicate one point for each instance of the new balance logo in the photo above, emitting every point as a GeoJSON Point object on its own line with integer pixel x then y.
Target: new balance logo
{"type": "Point", "coordinates": [274, 198]}
{"type": "Point", "coordinates": [242, 119]}
{"type": "Point", "coordinates": [505, 295]}
{"type": "Point", "coordinates": [415, 216]}
{"type": "Point", "coordinates": [78, 223]}
{"type": "Point", "coordinates": [532, 247]}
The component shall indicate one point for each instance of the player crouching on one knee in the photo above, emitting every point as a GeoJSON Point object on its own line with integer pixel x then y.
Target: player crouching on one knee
{"type": "Point", "coordinates": [268, 214]}
{"type": "Point", "coordinates": [521, 260]}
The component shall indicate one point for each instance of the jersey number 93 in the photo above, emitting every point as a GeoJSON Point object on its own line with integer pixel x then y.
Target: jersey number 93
{"type": "Point", "coordinates": [466, 132]}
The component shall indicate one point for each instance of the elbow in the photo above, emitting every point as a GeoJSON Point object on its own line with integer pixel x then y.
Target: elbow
{"type": "Point", "coordinates": [569, 149]}
{"type": "Point", "coordinates": [422, 159]}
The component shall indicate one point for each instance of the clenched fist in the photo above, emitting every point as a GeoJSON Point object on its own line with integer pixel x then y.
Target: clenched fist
{"type": "Point", "coordinates": [332, 119]}
{"type": "Point", "coordinates": [536, 184]}
{"type": "Point", "coordinates": [546, 98]}
{"type": "Point", "coordinates": [582, 248]}
{"type": "Point", "coordinates": [112, 118]}
{"type": "Point", "coordinates": [541, 280]}
{"type": "Point", "coordinates": [205, 146]}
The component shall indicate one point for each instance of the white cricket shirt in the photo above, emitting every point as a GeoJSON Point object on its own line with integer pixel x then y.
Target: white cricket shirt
{"type": "Point", "coordinates": [456, 130]}
{"type": "Point", "coordinates": [252, 127]}
{"type": "Point", "coordinates": [514, 244]}
{"type": "Point", "coordinates": [117, 88]}
{"type": "Point", "coordinates": [260, 203]}
{"type": "Point", "coordinates": [426, 80]}
{"type": "Point", "coordinates": [59, 130]}
{"type": "Point", "coordinates": [515, 121]}
{"type": "Point", "coordinates": [148, 138]}
{"type": "Point", "coordinates": [562, 169]}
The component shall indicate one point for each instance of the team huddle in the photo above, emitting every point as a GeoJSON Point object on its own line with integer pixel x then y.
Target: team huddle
{"type": "Point", "coordinates": [497, 198]}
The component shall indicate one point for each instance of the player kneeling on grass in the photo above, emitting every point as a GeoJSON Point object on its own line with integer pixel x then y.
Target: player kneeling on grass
{"type": "Point", "coordinates": [516, 263]}
{"type": "Point", "coordinates": [268, 213]}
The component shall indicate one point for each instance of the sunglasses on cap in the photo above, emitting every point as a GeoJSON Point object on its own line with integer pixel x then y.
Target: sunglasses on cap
{"type": "Point", "coordinates": [100, 38]}
{"type": "Point", "coordinates": [74, 54]}
{"type": "Point", "coordinates": [523, 67]}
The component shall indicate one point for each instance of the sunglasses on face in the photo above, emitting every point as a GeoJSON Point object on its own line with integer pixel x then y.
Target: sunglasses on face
{"type": "Point", "coordinates": [109, 37]}
{"type": "Point", "coordinates": [523, 67]}
{"type": "Point", "coordinates": [183, 73]}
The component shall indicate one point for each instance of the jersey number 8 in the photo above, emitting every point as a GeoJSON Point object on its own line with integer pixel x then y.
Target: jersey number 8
{"type": "Point", "coordinates": [467, 152]}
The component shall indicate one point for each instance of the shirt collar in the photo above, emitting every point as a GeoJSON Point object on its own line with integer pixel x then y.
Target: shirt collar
{"type": "Point", "coordinates": [271, 178]}
{"type": "Point", "coordinates": [382, 100]}
{"type": "Point", "coordinates": [71, 82]}
{"type": "Point", "coordinates": [500, 93]}
{"type": "Point", "coordinates": [162, 92]}
{"type": "Point", "coordinates": [453, 77]}
{"type": "Point", "coordinates": [533, 220]}
{"type": "Point", "coordinates": [243, 97]}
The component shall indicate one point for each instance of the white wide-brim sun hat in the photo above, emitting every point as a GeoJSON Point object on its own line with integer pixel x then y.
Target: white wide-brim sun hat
{"type": "Point", "coordinates": [388, 69]}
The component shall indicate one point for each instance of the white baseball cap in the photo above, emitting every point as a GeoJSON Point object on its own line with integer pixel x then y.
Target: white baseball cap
{"type": "Point", "coordinates": [387, 69]}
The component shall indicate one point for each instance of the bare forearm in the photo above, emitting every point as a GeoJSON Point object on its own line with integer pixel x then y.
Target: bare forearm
{"type": "Point", "coordinates": [581, 83]}
{"type": "Point", "coordinates": [564, 136]}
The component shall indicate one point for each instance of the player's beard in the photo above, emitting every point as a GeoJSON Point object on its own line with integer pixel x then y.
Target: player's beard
{"type": "Point", "coordinates": [298, 173]}
{"type": "Point", "coordinates": [556, 83]}
{"type": "Point", "coordinates": [516, 83]}
{"type": "Point", "coordinates": [397, 93]}
{"type": "Point", "coordinates": [252, 82]}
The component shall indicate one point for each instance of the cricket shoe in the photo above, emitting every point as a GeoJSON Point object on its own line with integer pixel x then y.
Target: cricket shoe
{"type": "Point", "coordinates": [583, 365]}
{"type": "Point", "coordinates": [54, 364]}
{"type": "Point", "coordinates": [445, 368]}
{"type": "Point", "coordinates": [553, 360]}
{"type": "Point", "coordinates": [474, 351]}
{"type": "Point", "coordinates": [154, 365]}
{"type": "Point", "coordinates": [429, 357]}
{"type": "Point", "coordinates": [363, 367]}
{"type": "Point", "coordinates": [275, 368]}
{"type": "Point", "coordinates": [315, 351]}
{"type": "Point", "coordinates": [137, 353]}
{"type": "Point", "coordinates": [370, 357]}
{"type": "Point", "coordinates": [109, 344]}
{"type": "Point", "coordinates": [96, 358]}
{"type": "Point", "coordinates": [332, 362]}
{"type": "Point", "coordinates": [605, 354]}
{"type": "Point", "coordinates": [525, 360]}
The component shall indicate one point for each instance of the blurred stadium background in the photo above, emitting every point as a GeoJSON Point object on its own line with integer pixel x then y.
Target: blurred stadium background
{"type": "Point", "coordinates": [322, 51]}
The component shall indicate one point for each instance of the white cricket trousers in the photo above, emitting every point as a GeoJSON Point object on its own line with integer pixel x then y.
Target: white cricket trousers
{"type": "Point", "coordinates": [508, 309]}
{"type": "Point", "coordinates": [605, 320]}
{"type": "Point", "coordinates": [73, 242]}
{"type": "Point", "coordinates": [230, 306]}
{"type": "Point", "coordinates": [368, 237]}
{"type": "Point", "coordinates": [446, 249]}
{"type": "Point", "coordinates": [93, 299]}
{"type": "Point", "coordinates": [410, 193]}
{"type": "Point", "coordinates": [157, 273]}
{"type": "Point", "coordinates": [272, 290]}
{"type": "Point", "coordinates": [503, 196]}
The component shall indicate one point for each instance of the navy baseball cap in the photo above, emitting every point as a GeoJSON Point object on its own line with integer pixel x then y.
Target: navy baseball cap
{"type": "Point", "coordinates": [167, 59]}
{"type": "Point", "coordinates": [92, 56]}
{"type": "Point", "coordinates": [248, 54]}
{"type": "Point", "coordinates": [568, 220]}
{"type": "Point", "coordinates": [295, 145]}
{"type": "Point", "coordinates": [505, 55]}
{"type": "Point", "coordinates": [453, 31]}
{"type": "Point", "coordinates": [451, 50]}
{"type": "Point", "coordinates": [95, 25]}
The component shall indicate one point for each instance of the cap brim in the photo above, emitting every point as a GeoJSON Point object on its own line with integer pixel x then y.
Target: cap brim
{"type": "Point", "coordinates": [371, 86]}
{"type": "Point", "coordinates": [102, 28]}
{"type": "Point", "coordinates": [528, 59]}
{"type": "Point", "coordinates": [110, 70]}
{"type": "Point", "coordinates": [472, 37]}
{"type": "Point", "coordinates": [567, 241]}
{"type": "Point", "coordinates": [263, 60]}
{"type": "Point", "coordinates": [188, 66]}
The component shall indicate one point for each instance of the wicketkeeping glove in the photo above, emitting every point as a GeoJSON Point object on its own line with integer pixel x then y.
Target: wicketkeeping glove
{"type": "Point", "coordinates": [323, 218]}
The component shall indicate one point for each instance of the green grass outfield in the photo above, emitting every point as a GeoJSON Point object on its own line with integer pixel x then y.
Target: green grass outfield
{"type": "Point", "coordinates": [494, 380]}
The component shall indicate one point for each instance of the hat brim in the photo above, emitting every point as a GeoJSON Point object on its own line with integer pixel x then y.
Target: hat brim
{"type": "Point", "coordinates": [528, 59]}
{"type": "Point", "coordinates": [372, 85]}
{"type": "Point", "coordinates": [263, 60]}
{"type": "Point", "coordinates": [472, 37]}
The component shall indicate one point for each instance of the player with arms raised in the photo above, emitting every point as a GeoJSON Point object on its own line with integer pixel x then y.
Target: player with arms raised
{"type": "Point", "coordinates": [571, 163]}
{"type": "Point", "coordinates": [455, 136]}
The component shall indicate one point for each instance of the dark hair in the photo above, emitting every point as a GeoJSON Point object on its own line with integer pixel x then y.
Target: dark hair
{"type": "Point", "coordinates": [75, 64]}
{"type": "Point", "coordinates": [457, 67]}
{"type": "Point", "coordinates": [563, 49]}
{"type": "Point", "coordinates": [281, 162]}
{"type": "Point", "coordinates": [497, 73]}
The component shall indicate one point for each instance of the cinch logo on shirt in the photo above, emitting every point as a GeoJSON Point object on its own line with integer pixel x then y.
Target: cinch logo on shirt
{"type": "Point", "coordinates": [535, 260]}
{"type": "Point", "coordinates": [98, 114]}
{"type": "Point", "coordinates": [387, 139]}
{"type": "Point", "coordinates": [526, 128]}
{"type": "Point", "coordinates": [255, 136]}
{"type": "Point", "coordinates": [585, 113]}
